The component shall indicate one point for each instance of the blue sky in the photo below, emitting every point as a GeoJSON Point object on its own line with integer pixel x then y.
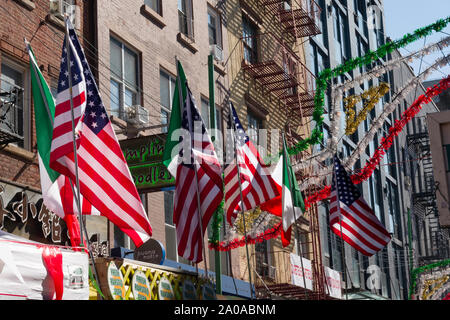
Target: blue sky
{"type": "Point", "coordinates": [404, 16]}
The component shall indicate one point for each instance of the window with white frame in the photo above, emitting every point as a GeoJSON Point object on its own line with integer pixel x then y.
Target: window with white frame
{"type": "Point", "coordinates": [124, 86]}
{"type": "Point", "coordinates": [166, 91]}
{"type": "Point", "coordinates": [13, 91]}
{"type": "Point", "coordinates": [214, 28]}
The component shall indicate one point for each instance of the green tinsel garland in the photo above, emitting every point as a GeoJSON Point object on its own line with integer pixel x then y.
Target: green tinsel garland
{"type": "Point", "coordinates": [422, 269]}
{"type": "Point", "coordinates": [327, 74]}
{"type": "Point", "coordinates": [217, 223]}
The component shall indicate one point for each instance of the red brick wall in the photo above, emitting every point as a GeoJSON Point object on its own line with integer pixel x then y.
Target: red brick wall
{"type": "Point", "coordinates": [19, 21]}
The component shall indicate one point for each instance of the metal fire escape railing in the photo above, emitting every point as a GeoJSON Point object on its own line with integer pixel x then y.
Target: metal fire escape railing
{"type": "Point", "coordinates": [279, 70]}
{"type": "Point", "coordinates": [10, 116]}
{"type": "Point", "coordinates": [299, 17]}
{"type": "Point", "coordinates": [424, 194]}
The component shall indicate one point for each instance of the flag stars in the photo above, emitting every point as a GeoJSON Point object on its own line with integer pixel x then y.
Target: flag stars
{"type": "Point", "coordinates": [94, 125]}
{"type": "Point", "coordinates": [93, 115]}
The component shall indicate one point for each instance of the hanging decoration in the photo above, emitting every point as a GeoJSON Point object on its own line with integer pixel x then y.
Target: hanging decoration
{"type": "Point", "coordinates": [370, 99]}
{"type": "Point", "coordinates": [433, 285]}
{"type": "Point", "coordinates": [364, 174]}
{"type": "Point", "coordinates": [370, 135]}
{"type": "Point", "coordinates": [416, 272]}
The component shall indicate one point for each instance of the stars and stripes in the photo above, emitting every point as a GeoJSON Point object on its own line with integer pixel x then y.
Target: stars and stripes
{"type": "Point", "coordinates": [360, 227]}
{"type": "Point", "coordinates": [201, 154]}
{"type": "Point", "coordinates": [257, 183]}
{"type": "Point", "coordinates": [105, 180]}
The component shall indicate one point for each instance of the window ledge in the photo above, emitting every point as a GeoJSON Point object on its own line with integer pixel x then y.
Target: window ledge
{"type": "Point", "coordinates": [118, 121]}
{"type": "Point", "coordinates": [219, 68]}
{"type": "Point", "coordinates": [52, 19]}
{"type": "Point", "coordinates": [28, 4]}
{"type": "Point", "coordinates": [187, 42]}
{"type": "Point", "coordinates": [20, 153]}
{"type": "Point", "coordinates": [152, 15]}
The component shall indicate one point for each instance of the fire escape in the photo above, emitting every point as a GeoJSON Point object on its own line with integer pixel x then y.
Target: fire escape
{"type": "Point", "coordinates": [424, 197]}
{"type": "Point", "coordinates": [274, 62]}
{"type": "Point", "coordinates": [278, 68]}
{"type": "Point", "coordinates": [10, 115]}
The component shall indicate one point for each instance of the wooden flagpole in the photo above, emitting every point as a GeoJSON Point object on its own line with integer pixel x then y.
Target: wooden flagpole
{"type": "Point", "coordinates": [191, 131]}
{"type": "Point", "coordinates": [242, 201]}
{"type": "Point", "coordinates": [299, 247]}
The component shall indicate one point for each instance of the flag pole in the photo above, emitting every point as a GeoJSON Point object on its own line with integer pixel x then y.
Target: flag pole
{"type": "Point", "coordinates": [344, 266]}
{"type": "Point", "coordinates": [299, 247]}
{"type": "Point", "coordinates": [242, 201]}
{"type": "Point", "coordinates": [199, 211]}
{"type": "Point", "coordinates": [69, 70]}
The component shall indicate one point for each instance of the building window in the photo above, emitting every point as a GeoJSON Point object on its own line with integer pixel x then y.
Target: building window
{"type": "Point", "coordinates": [254, 125]}
{"type": "Point", "coordinates": [447, 157]}
{"type": "Point", "coordinates": [171, 234]}
{"type": "Point", "coordinates": [124, 90]}
{"type": "Point", "coordinates": [166, 91]}
{"type": "Point", "coordinates": [249, 33]}
{"type": "Point", "coordinates": [214, 28]}
{"type": "Point", "coordinates": [155, 5]}
{"type": "Point", "coordinates": [263, 262]}
{"type": "Point", "coordinates": [12, 100]}
{"type": "Point", "coordinates": [206, 115]}
{"type": "Point", "coordinates": [340, 32]}
{"type": "Point", "coordinates": [186, 18]}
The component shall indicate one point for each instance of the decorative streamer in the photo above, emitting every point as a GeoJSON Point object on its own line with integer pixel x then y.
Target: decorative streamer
{"type": "Point", "coordinates": [327, 74]}
{"type": "Point", "coordinates": [364, 174]}
{"type": "Point", "coordinates": [373, 95]}
{"type": "Point", "coordinates": [376, 125]}
{"type": "Point", "coordinates": [337, 95]}
{"type": "Point", "coordinates": [417, 271]}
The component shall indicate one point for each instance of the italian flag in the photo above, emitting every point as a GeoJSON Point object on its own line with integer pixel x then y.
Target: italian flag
{"type": "Point", "coordinates": [289, 205]}
{"type": "Point", "coordinates": [171, 160]}
{"type": "Point", "coordinates": [56, 190]}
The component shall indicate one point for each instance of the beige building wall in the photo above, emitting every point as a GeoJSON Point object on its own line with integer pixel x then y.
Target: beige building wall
{"type": "Point", "coordinates": [157, 41]}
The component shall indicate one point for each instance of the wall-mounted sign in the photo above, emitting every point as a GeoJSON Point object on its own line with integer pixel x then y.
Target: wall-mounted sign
{"type": "Point", "coordinates": [115, 282]}
{"type": "Point", "coordinates": [189, 290]}
{"type": "Point", "coordinates": [208, 292]}
{"type": "Point", "coordinates": [152, 251]}
{"type": "Point", "coordinates": [297, 272]}
{"type": "Point", "coordinates": [140, 286]}
{"type": "Point", "coordinates": [165, 289]}
{"type": "Point", "coordinates": [31, 220]}
{"type": "Point", "coordinates": [98, 249]}
{"type": "Point", "coordinates": [144, 158]}
{"type": "Point", "coordinates": [333, 283]}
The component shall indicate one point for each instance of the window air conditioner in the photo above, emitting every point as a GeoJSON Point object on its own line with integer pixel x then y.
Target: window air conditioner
{"type": "Point", "coordinates": [217, 52]}
{"type": "Point", "coordinates": [60, 7]}
{"type": "Point", "coordinates": [137, 115]}
{"type": "Point", "coordinates": [272, 272]}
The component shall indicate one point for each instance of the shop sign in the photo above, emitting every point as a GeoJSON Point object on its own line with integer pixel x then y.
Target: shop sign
{"type": "Point", "coordinates": [333, 283]}
{"type": "Point", "coordinates": [165, 289]}
{"type": "Point", "coordinates": [151, 251]}
{"type": "Point", "coordinates": [297, 272]}
{"type": "Point", "coordinates": [33, 219]}
{"type": "Point", "coordinates": [189, 290]}
{"type": "Point", "coordinates": [144, 158]}
{"type": "Point", "coordinates": [76, 280]}
{"type": "Point", "coordinates": [115, 282]}
{"type": "Point", "coordinates": [208, 292]}
{"type": "Point", "coordinates": [140, 286]}
{"type": "Point", "coordinates": [98, 249]}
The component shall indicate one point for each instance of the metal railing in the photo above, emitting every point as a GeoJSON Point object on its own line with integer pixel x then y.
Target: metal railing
{"type": "Point", "coordinates": [11, 114]}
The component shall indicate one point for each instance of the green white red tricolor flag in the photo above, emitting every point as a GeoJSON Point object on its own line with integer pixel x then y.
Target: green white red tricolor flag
{"type": "Point", "coordinates": [290, 205]}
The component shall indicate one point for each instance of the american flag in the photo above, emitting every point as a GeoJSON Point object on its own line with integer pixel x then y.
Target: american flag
{"type": "Point", "coordinates": [360, 227]}
{"type": "Point", "coordinates": [257, 183]}
{"type": "Point", "coordinates": [105, 180]}
{"type": "Point", "coordinates": [203, 156]}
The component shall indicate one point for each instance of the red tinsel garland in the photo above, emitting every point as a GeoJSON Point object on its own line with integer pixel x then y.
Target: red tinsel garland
{"type": "Point", "coordinates": [364, 174]}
